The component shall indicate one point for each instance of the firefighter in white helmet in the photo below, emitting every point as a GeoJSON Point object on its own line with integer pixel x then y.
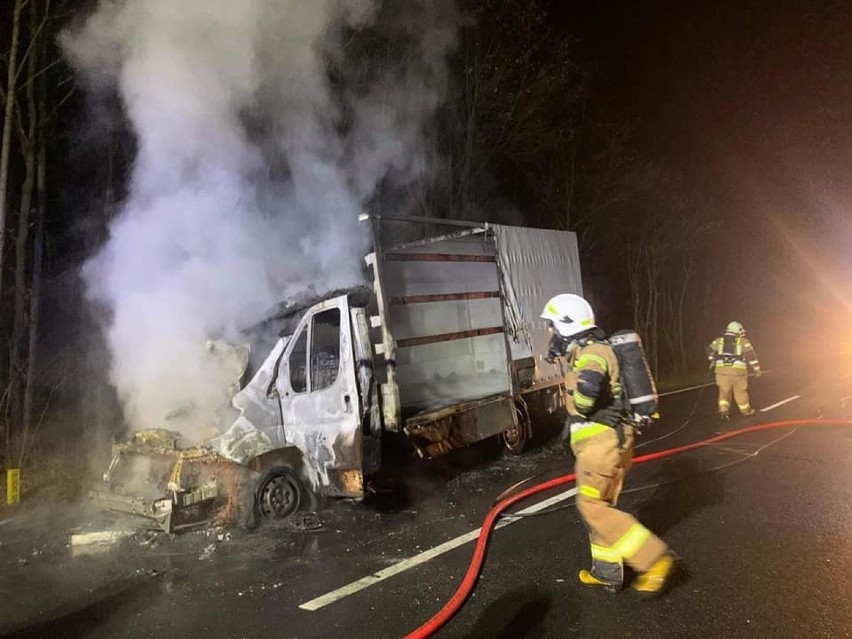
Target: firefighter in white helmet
{"type": "Point", "coordinates": [730, 356]}
{"type": "Point", "coordinates": [602, 442]}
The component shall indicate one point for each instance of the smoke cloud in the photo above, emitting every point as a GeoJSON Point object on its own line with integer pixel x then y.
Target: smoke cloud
{"type": "Point", "coordinates": [263, 128]}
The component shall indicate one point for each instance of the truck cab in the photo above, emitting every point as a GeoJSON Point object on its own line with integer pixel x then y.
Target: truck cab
{"type": "Point", "coordinates": [314, 397]}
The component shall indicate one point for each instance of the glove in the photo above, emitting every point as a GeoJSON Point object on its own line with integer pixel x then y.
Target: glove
{"type": "Point", "coordinates": [610, 416]}
{"type": "Point", "coordinates": [644, 421]}
{"type": "Point", "coordinates": [757, 373]}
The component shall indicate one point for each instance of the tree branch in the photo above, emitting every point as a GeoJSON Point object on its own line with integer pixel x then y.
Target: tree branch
{"type": "Point", "coordinates": [43, 70]}
{"type": "Point", "coordinates": [34, 37]}
{"type": "Point", "coordinates": [59, 105]}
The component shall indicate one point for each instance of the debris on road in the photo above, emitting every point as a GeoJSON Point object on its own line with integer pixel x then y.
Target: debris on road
{"type": "Point", "coordinates": [207, 552]}
{"type": "Point", "coordinates": [305, 521]}
{"type": "Point", "coordinates": [94, 542]}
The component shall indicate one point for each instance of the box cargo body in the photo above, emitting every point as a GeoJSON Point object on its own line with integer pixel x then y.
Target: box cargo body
{"type": "Point", "coordinates": [461, 330]}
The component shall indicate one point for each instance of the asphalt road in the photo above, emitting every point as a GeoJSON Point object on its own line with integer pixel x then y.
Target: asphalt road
{"type": "Point", "coordinates": [763, 524]}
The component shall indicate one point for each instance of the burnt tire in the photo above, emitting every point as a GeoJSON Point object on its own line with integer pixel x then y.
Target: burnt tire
{"type": "Point", "coordinates": [279, 494]}
{"type": "Point", "coordinates": [515, 438]}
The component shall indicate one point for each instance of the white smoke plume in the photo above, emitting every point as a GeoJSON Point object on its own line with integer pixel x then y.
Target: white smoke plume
{"type": "Point", "coordinates": [263, 128]}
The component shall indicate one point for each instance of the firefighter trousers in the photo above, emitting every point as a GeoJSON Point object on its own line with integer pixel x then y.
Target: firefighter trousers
{"type": "Point", "coordinates": [736, 382]}
{"type": "Point", "coordinates": [615, 536]}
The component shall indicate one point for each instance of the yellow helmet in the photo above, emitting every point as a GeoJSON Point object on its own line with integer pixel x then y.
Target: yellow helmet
{"type": "Point", "coordinates": [735, 327]}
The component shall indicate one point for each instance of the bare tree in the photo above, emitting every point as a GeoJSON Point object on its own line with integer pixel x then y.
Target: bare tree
{"type": "Point", "coordinates": [38, 258]}
{"type": "Point", "coordinates": [508, 112]}
{"type": "Point", "coordinates": [34, 118]}
{"type": "Point", "coordinates": [665, 235]}
{"type": "Point", "coordinates": [7, 93]}
{"type": "Point", "coordinates": [29, 128]}
{"type": "Point", "coordinates": [643, 269]}
{"type": "Point", "coordinates": [8, 117]}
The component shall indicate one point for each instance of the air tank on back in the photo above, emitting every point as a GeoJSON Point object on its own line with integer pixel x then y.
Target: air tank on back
{"type": "Point", "coordinates": [636, 377]}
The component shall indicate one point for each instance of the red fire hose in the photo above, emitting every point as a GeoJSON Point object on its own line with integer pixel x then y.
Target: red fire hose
{"type": "Point", "coordinates": [469, 582]}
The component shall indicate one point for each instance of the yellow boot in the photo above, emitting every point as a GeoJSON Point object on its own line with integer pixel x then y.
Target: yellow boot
{"type": "Point", "coordinates": [588, 579]}
{"type": "Point", "coordinates": [653, 581]}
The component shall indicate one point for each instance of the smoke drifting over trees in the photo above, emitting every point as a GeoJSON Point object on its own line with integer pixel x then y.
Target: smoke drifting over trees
{"type": "Point", "coordinates": [256, 153]}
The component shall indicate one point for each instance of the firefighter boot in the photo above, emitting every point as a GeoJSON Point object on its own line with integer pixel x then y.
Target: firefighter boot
{"type": "Point", "coordinates": [748, 412]}
{"type": "Point", "coordinates": [588, 579]}
{"type": "Point", "coordinates": [724, 417]}
{"type": "Point", "coordinates": [653, 581]}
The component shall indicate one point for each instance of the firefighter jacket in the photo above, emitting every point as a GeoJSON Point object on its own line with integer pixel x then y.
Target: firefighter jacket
{"type": "Point", "coordinates": [732, 354]}
{"type": "Point", "coordinates": [593, 388]}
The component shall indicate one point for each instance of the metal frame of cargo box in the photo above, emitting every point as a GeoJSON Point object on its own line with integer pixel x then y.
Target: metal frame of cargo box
{"type": "Point", "coordinates": [442, 429]}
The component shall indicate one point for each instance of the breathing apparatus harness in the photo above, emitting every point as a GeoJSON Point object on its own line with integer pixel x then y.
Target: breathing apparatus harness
{"type": "Point", "coordinates": [634, 398]}
{"type": "Point", "coordinates": [730, 348]}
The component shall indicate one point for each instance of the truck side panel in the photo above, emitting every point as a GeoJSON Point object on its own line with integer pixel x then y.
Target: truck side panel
{"type": "Point", "coordinates": [447, 320]}
{"type": "Point", "coordinates": [444, 429]}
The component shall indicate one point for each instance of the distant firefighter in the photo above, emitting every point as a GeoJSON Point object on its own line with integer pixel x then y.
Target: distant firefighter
{"type": "Point", "coordinates": [730, 356]}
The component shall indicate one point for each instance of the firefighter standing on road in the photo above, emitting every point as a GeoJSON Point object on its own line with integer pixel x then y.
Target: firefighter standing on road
{"type": "Point", "coordinates": [730, 356]}
{"type": "Point", "coordinates": [602, 441]}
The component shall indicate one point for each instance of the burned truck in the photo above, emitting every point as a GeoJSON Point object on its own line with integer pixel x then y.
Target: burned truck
{"type": "Point", "coordinates": [444, 347]}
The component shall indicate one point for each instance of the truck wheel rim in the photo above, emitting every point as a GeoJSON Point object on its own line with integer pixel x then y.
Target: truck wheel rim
{"type": "Point", "coordinates": [512, 436]}
{"type": "Point", "coordinates": [280, 498]}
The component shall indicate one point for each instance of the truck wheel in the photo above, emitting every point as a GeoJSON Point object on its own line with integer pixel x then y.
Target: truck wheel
{"type": "Point", "coordinates": [515, 438]}
{"type": "Point", "coordinates": [279, 493]}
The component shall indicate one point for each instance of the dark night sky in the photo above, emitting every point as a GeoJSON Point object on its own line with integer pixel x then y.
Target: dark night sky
{"type": "Point", "coordinates": [754, 99]}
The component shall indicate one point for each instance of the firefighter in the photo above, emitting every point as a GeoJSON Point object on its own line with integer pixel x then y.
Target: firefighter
{"type": "Point", "coordinates": [602, 442]}
{"type": "Point", "coordinates": [730, 356]}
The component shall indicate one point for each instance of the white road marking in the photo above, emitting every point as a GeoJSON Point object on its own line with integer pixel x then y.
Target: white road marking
{"type": "Point", "coordinates": [452, 544]}
{"type": "Point", "coordinates": [423, 557]}
{"type": "Point", "coordinates": [781, 403]}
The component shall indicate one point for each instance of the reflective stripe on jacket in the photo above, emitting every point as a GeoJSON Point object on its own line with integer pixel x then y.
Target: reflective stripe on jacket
{"type": "Point", "coordinates": [592, 383]}
{"type": "Point", "coordinates": [733, 351]}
